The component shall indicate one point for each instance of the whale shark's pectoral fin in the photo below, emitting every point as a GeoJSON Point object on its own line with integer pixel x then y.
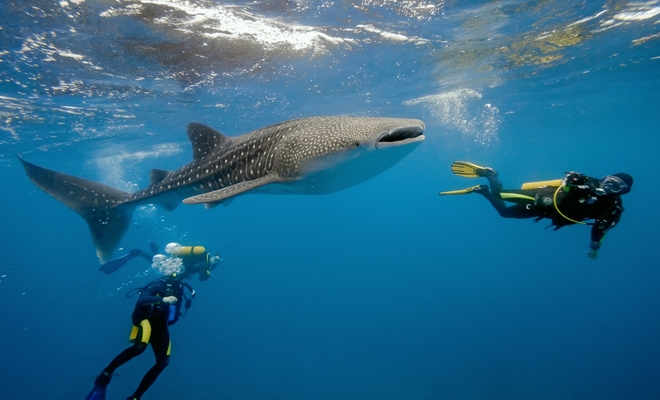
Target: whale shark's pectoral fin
{"type": "Point", "coordinates": [224, 202]}
{"type": "Point", "coordinates": [233, 190]}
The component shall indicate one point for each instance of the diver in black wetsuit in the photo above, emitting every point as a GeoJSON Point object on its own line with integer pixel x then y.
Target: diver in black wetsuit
{"type": "Point", "coordinates": [567, 201]}
{"type": "Point", "coordinates": [196, 260]}
{"type": "Point", "coordinates": [158, 307]}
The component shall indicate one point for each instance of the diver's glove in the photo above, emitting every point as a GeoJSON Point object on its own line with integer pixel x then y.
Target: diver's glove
{"type": "Point", "coordinates": [592, 254]}
{"type": "Point", "coordinates": [575, 179]}
{"type": "Point", "coordinates": [578, 180]}
{"type": "Point", "coordinates": [170, 299]}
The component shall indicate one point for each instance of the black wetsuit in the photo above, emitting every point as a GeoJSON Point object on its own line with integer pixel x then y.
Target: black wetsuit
{"type": "Point", "coordinates": [576, 203]}
{"type": "Point", "coordinates": [196, 264]}
{"type": "Point", "coordinates": [151, 318]}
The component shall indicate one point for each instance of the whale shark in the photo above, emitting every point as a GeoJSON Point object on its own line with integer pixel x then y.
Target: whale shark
{"type": "Point", "coordinates": [314, 155]}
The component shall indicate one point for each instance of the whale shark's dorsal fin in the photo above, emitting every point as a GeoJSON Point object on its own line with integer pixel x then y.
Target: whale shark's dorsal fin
{"type": "Point", "coordinates": [157, 175]}
{"type": "Point", "coordinates": [205, 140]}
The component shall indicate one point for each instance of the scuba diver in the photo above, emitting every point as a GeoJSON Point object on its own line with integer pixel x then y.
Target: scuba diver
{"type": "Point", "coordinates": [158, 307]}
{"type": "Point", "coordinates": [196, 260]}
{"type": "Point", "coordinates": [567, 201]}
{"type": "Point", "coordinates": [116, 263]}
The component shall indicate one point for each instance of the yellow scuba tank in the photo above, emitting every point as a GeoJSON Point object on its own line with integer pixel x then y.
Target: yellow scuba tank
{"type": "Point", "coordinates": [559, 184]}
{"type": "Point", "coordinates": [183, 251]}
{"type": "Point", "coordinates": [540, 184]}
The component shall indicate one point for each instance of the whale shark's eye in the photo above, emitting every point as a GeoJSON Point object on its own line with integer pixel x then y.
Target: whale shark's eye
{"type": "Point", "coordinates": [357, 144]}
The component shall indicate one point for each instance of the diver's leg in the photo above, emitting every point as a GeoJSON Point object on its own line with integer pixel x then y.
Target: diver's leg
{"type": "Point", "coordinates": [494, 182]}
{"type": "Point", "coordinates": [141, 340]}
{"type": "Point", "coordinates": [494, 196]}
{"type": "Point", "coordinates": [140, 345]}
{"type": "Point", "coordinates": [160, 343]}
{"type": "Point", "coordinates": [519, 211]}
{"type": "Point", "coordinates": [498, 204]}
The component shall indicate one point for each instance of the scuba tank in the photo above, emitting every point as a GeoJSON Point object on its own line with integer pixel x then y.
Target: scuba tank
{"type": "Point", "coordinates": [547, 195]}
{"type": "Point", "coordinates": [546, 192]}
{"type": "Point", "coordinates": [540, 184]}
{"type": "Point", "coordinates": [183, 251]}
{"type": "Point", "coordinates": [171, 313]}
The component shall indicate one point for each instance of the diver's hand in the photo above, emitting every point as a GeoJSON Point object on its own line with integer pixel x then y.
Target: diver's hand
{"type": "Point", "coordinates": [170, 299]}
{"type": "Point", "coordinates": [575, 179]}
{"type": "Point", "coordinates": [592, 254]}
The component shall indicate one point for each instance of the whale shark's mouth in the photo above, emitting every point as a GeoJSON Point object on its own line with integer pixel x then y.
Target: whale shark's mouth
{"type": "Point", "coordinates": [400, 136]}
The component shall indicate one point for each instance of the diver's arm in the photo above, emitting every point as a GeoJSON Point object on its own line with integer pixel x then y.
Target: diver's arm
{"type": "Point", "coordinates": [178, 294]}
{"type": "Point", "coordinates": [602, 225]}
{"type": "Point", "coordinates": [149, 298]}
{"type": "Point", "coordinates": [153, 293]}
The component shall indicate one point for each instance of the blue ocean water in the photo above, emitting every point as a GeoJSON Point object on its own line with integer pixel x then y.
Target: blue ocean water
{"type": "Point", "coordinates": [381, 291]}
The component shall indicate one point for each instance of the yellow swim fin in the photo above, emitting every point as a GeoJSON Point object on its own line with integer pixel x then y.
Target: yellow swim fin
{"type": "Point", "coordinates": [477, 188]}
{"type": "Point", "coordinates": [470, 170]}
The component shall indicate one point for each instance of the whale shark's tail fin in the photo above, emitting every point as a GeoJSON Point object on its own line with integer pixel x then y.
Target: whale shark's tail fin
{"type": "Point", "coordinates": [101, 206]}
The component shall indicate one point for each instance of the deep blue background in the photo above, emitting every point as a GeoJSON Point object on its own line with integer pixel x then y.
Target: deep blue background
{"type": "Point", "coordinates": [381, 291]}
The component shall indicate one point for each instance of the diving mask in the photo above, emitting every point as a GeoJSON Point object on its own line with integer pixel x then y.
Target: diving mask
{"type": "Point", "coordinates": [611, 185]}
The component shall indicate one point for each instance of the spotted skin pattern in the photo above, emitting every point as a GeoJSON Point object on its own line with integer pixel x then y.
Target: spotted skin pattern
{"type": "Point", "coordinates": [224, 167]}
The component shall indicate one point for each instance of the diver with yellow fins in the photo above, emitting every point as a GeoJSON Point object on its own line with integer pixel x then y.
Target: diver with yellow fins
{"type": "Point", "coordinates": [566, 201]}
{"type": "Point", "coordinates": [158, 307]}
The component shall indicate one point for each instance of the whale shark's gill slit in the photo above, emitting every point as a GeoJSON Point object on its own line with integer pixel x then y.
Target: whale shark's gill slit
{"type": "Point", "coordinates": [400, 135]}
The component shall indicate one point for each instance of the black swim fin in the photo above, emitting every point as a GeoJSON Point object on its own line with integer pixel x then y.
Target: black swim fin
{"type": "Point", "coordinates": [100, 386]}
{"type": "Point", "coordinates": [113, 265]}
{"type": "Point", "coordinates": [98, 393]}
